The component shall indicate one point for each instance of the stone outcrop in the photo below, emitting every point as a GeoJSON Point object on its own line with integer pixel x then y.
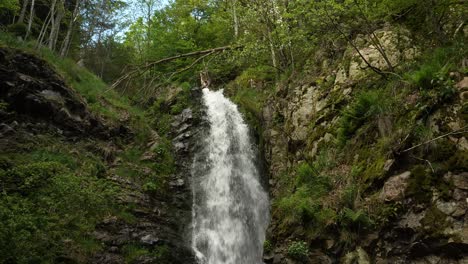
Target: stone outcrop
{"type": "Point", "coordinates": [33, 90]}
{"type": "Point", "coordinates": [300, 119]}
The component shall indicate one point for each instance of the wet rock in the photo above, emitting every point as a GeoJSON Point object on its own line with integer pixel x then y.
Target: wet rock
{"type": "Point", "coordinates": [149, 239]}
{"type": "Point", "coordinates": [177, 183]}
{"type": "Point", "coordinates": [278, 258]}
{"type": "Point", "coordinates": [359, 256]}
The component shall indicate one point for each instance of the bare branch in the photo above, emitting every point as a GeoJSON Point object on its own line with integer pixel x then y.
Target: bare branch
{"type": "Point", "coordinates": [456, 132]}
{"type": "Point", "coordinates": [139, 70]}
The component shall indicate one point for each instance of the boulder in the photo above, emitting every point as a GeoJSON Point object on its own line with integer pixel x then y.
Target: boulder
{"type": "Point", "coordinates": [35, 92]}
{"type": "Point", "coordinates": [463, 84]}
{"type": "Point", "coordinates": [394, 188]}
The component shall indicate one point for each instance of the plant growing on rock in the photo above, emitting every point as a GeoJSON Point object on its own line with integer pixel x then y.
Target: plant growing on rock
{"type": "Point", "coordinates": [298, 250]}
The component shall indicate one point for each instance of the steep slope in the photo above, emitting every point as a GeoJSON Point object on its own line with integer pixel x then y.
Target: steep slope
{"type": "Point", "coordinates": [366, 168]}
{"type": "Point", "coordinates": [85, 177]}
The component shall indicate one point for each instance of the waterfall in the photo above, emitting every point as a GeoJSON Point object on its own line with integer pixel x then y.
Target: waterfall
{"type": "Point", "coordinates": [230, 206]}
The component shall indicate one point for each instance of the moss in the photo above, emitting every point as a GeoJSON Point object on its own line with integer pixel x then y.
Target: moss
{"type": "Point", "coordinates": [267, 246]}
{"type": "Point", "coordinates": [374, 167]}
{"type": "Point", "coordinates": [420, 184]}
{"type": "Point", "coordinates": [459, 161]}
{"type": "Point", "coordinates": [464, 113]}
{"type": "Point", "coordinates": [441, 151]}
{"type": "Point", "coordinates": [434, 222]}
{"type": "Point", "coordinates": [424, 181]}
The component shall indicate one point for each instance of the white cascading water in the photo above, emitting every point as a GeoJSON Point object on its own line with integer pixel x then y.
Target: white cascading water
{"type": "Point", "coordinates": [230, 208]}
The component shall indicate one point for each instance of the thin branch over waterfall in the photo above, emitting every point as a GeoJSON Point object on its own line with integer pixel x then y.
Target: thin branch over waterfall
{"type": "Point", "coordinates": [138, 70]}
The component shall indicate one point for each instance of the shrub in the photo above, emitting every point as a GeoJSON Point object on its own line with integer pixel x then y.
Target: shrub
{"type": "Point", "coordinates": [298, 250]}
{"type": "Point", "coordinates": [354, 219]}
{"type": "Point", "coordinates": [26, 178]}
{"type": "Point", "coordinates": [367, 105]}
{"type": "Point", "coordinates": [267, 246]}
{"type": "Point", "coordinates": [258, 74]}
{"type": "Point", "coordinates": [434, 66]}
{"type": "Point", "coordinates": [307, 175]}
{"type": "Point", "coordinates": [17, 29]}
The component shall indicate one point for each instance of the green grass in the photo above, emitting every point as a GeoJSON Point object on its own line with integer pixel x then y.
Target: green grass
{"type": "Point", "coordinates": [49, 199]}
{"type": "Point", "coordinates": [363, 109]}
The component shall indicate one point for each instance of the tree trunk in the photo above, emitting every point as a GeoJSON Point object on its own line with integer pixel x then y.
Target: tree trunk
{"type": "Point", "coordinates": [23, 11]}
{"type": "Point", "coordinates": [43, 31]}
{"type": "Point", "coordinates": [66, 41]}
{"type": "Point", "coordinates": [235, 18]}
{"type": "Point", "coordinates": [52, 27]}
{"type": "Point", "coordinates": [58, 20]}
{"type": "Point", "coordinates": [31, 17]}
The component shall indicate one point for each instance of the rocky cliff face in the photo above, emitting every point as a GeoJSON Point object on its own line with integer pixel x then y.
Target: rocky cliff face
{"type": "Point", "coordinates": [393, 154]}
{"type": "Point", "coordinates": [146, 201]}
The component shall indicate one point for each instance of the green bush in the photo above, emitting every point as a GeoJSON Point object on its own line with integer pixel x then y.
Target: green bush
{"type": "Point", "coordinates": [260, 73]}
{"type": "Point", "coordinates": [17, 29]}
{"type": "Point", "coordinates": [354, 220]}
{"type": "Point", "coordinates": [367, 105]}
{"type": "Point", "coordinates": [267, 246]}
{"type": "Point", "coordinates": [27, 178]}
{"type": "Point", "coordinates": [434, 66]}
{"type": "Point", "coordinates": [298, 250]}
{"type": "Point", "coordinates": [308, 175]}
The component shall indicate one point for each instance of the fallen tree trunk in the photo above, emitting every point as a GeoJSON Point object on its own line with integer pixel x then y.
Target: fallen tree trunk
{"type": "Point", "coordinates": [139, 70]}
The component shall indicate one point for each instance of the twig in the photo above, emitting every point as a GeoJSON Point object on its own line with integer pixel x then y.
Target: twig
{"type": "Point", "coordinates": [191, 65]}
{"type": "Point", "coordinates": [456, 132]}
{"type": "Point", "coordinates": [425, 160]}
{"type": "Point", "coordinates": [139, 70]}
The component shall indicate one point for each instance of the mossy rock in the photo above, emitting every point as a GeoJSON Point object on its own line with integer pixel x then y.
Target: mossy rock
{"type": "Point", "coordinates": [434, 222]}
{"type": "Point", "coordinates": [458, 162]}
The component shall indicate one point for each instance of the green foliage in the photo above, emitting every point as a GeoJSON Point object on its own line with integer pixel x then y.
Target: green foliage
{"type": "Point", "coordinates": [367, 105]}
{"type": "Point", "coordinates": [356, 220]}
{"type": "Point", "coordinates": [17, 29]}
{"type": "Point", "coordinates": [158, 254]}
{"type": "Point", "coordinates": [28, 178]}
{"type": "Point", "coordinates": [423, 182]}
{"type": "Point", "coordinates": [420, 184]}
{"type": "Point", "coordinates": [432, 75]}
{"type": "Point", "coordinates": [349, 195]}
{"type": "Point", "coordinates": [133, 252]}
{"type": "Point", "coordinates": [52, 210]}
{"type": "Point", "coordinates": [434, 222]}
{"type": "Point", "coordinates": [267, 246]}
{"type": "Point", "coordinates": [386, 213]}
{"type": "Point", "coordinates": [459, 161]}
{"type": "Point", "coordinates": [298, 250]}
{"type": "Point", "coordinates": [3, 105]}
{"type": "Point", "coordinates": [304, 206]}
{"type": "Point", "coordinates": [256, 76]}
{"type": "Point", "coordinates": [9, 6]}
{"type": "Point", "coordinates": [307, 175]}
